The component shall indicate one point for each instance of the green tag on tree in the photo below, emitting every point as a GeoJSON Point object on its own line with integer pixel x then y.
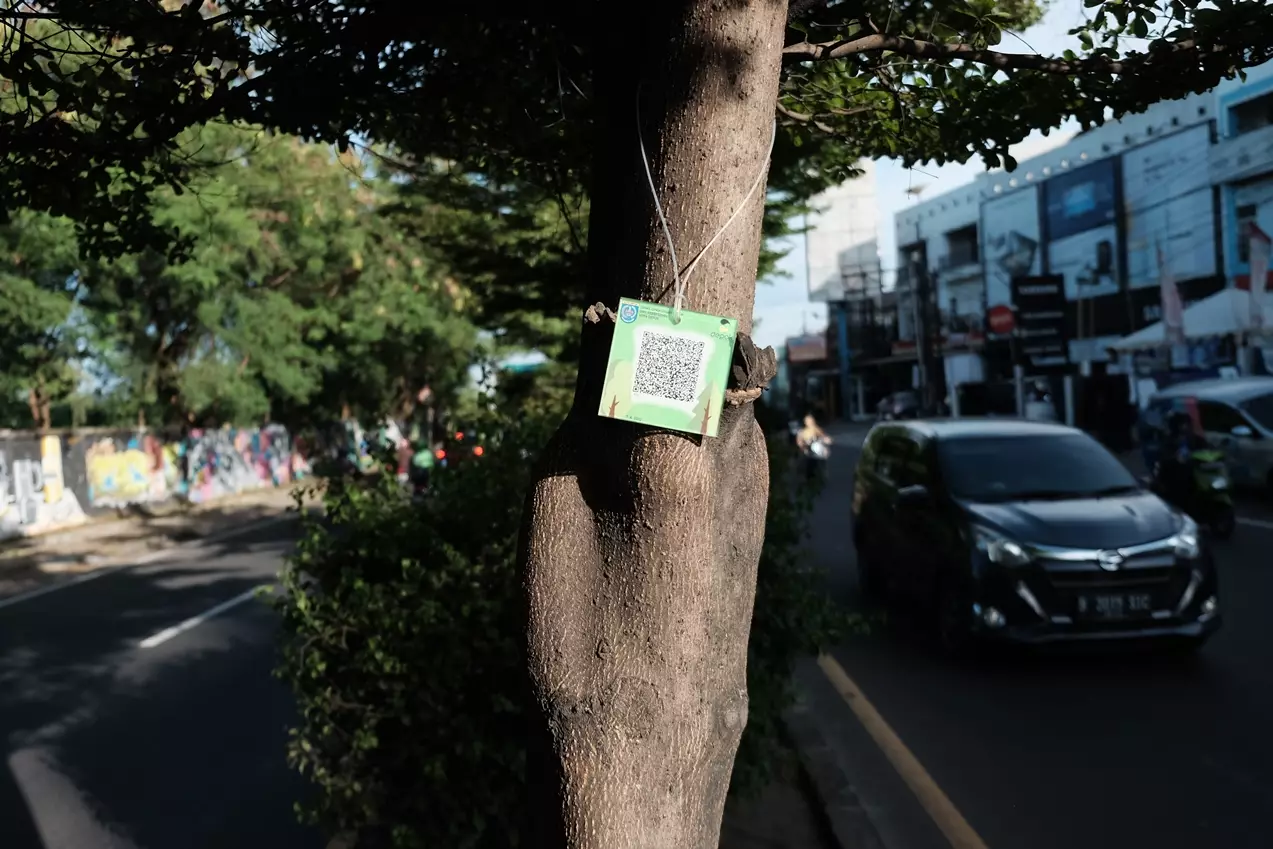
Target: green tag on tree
{"type": "Point", "coordinates": [666, 373]}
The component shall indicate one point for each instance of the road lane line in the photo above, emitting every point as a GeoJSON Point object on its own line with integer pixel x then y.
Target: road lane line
{"type": "Point", "coordinates": [195, 621]}
{"type": "Point", "coordinates": [1256, 523]}
{"type": "Point", "coordinates": [61, 585]}
{"type": "Point", "coordinates": [142, 560]}
{"type": "Point", "coordinates": [944, 814]}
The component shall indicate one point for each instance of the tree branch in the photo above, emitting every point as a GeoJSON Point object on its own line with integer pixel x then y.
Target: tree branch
{"type": "Point", "coordinates": [804, 119]}
{"type": "Point", "coordinates": [878, 42]}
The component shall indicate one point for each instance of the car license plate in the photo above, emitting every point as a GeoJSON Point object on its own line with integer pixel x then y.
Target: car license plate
{"type": "Point", "coordinates": [1115, 605]}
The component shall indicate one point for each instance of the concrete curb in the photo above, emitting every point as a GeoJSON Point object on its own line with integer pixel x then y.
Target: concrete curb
{"type": "Point", "coordinates": [125, 562]}
{"type": "Point", "coordinates": [846, 818]}
{"type": "Point", "coordinates": [172, 507]}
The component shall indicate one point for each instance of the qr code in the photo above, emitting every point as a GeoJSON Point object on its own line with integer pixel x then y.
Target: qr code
{"type": "Point", "coordinates": [668, 367]}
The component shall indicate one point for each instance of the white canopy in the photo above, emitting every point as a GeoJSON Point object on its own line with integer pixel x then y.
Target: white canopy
{"type": "Point", "coordinates": [1227, 311]}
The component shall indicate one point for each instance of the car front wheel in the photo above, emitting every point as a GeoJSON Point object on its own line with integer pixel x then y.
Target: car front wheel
{"type": "Point", "coordinates": [955, 638]}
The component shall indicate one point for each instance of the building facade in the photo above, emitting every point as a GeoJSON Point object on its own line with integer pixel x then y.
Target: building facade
{"type": "Point", "coordinates": [1170, 191]}
{"type": "Point", "coordinates": [844, 271]}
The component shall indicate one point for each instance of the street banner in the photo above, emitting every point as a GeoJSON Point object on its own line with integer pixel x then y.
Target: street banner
{"type": "Point", "coordinates": [1173, 311]}
{"type": "Point", "coordinates": [1259, 274]}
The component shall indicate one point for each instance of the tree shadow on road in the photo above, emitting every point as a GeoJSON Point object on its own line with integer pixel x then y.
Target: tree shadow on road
{"type": "Point", "coordinates": [182, 744]}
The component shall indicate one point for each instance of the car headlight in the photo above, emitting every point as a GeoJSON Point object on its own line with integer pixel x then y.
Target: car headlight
{"type": "Point", "coordinates": [999, 549]}
{"type": "Point", "coordinates": [1186, 540]}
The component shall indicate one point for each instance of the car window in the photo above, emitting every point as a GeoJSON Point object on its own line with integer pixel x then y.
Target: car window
{"type": "Point", "coordinates": [1219, 418]}
{"type": "Point", "coordinates": [905, 457]}
{"type": "Point", "coordinates": [869, 458]}
{"type": "Point", "coordinates": [1155, 414]}
{"type": "Point", "coordinates": [881, 451]}
{"type": "Point", "coordinates": [884, 448]}
{"type": "Point", "coordinates": [1260, 408]}
{"type": "Point", "coordinates": [1008, 468]}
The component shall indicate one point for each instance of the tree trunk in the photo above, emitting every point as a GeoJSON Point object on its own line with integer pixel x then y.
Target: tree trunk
{"type": "Point", "coordinates": [33, 404]}
{"type": "Point", "coordinates": [640, 547]}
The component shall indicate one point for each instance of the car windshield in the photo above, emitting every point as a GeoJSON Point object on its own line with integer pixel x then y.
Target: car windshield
{"type": "Point", "coordinates": [1260, 409]}
{"type": "Point", "coordinates": [1042, 466]}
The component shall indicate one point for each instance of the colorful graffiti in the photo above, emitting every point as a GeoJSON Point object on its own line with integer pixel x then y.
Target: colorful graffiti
{"type": "Point", "coordinates": [106, 472]}
{"type": "Point", "coordinates": [140, 470]}
{"type": "Point", "coordinates": [33, 492]}
{"type": "Point", "coordinates": [229, 460]}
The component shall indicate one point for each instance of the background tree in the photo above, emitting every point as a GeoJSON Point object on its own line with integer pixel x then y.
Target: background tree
{"type": "Point", "coordinates": [640, 548]}
{"type": "Point", "coordinates": [38, 293]}
{"type": "Point", "coordinates": [299, 299]}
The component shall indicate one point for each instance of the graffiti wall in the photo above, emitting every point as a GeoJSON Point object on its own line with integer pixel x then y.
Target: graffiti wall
{"type": "Point", "coordinates": [33, 492]}
{"type": "Point", "coordinates": [61, 479]}
{"type": "Point", "coordinates": [223, 462]}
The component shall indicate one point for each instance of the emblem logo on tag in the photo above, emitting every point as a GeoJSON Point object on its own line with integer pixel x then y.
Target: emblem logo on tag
{"type": "Point", "coordinates": [627, 313]}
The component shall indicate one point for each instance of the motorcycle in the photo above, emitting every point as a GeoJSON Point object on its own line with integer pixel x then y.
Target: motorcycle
{"type": "Point", "coordinates": [1208, 500]}
{"type": "Point", "coordinates": [815, 453]}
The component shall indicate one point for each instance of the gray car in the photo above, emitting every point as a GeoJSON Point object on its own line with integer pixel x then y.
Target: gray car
{"type": "Point", "coordinates": [1237, 418]}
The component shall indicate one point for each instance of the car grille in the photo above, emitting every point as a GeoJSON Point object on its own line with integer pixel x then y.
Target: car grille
{"type": "Point", "coordinates": [1099, 579]}
{"type": "Point", "coordinates": [1068, 588]}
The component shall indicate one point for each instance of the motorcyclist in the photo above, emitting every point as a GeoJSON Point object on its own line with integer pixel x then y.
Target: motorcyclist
{"type": "Point", "coordinates": [1175, 465]}
{"type": "Point", "coordinates": [809, 434]}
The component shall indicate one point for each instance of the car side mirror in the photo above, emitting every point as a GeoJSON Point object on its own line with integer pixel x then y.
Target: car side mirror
{"type": "Point", "coordinates": [1242, 432]}
{"type": "Point", "coordinates": [913, 496]}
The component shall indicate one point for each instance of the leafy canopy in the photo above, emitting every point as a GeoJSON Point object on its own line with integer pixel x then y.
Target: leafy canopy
{"type": "Point", "coordinates": [94, 85]}
{"type": "Point", "coordinates": [492, 116]}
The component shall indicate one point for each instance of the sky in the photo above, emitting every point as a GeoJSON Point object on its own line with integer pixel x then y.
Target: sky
{"type": "Point", "coordinates": [782, 304]}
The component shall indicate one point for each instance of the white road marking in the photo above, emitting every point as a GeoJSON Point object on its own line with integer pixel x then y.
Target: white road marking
{"type": "Point", "coordinates": [195, 621]}
{"type": "Point", "coordinates": [61, 585]}
{"type": "Point", "coordinates": [141, 560]}
{"type": "Point", "coordinates": [1256, 523]}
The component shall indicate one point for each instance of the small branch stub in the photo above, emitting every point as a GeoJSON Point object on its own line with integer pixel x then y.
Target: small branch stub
{"type": "Point", "coordinates": [752, 370]}
{"type": "Point", "coordinates": [598, 311]}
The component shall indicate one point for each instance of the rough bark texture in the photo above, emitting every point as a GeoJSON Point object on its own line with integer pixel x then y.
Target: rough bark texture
{"type": "Point", "coordinates": [640, 547]}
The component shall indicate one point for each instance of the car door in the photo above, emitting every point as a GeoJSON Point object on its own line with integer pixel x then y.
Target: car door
{"type": "Point", "coordinates": [1258, 448]}
{"type": "Point", "coordinates": [1219, 420]}
{"type": "Point", "coordinates": [875, 502]}
{"type": "Point", "coordinates": [917, 549]}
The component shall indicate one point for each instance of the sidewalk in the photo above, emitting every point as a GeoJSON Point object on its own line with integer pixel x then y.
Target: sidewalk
{"type": "Point", "coordinates": [27, 563]}
{"type": "Point", "coordinates": [786, 815]}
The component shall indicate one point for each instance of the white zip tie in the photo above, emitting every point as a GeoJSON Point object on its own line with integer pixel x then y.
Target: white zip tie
{"type": "Point", "coordinates": [679, 278]}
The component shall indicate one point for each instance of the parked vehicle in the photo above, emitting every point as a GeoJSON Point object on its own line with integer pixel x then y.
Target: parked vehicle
{"type": "Point", "coordinates": [1028, 533]}
{"type": "Point", "coordinates": [1204, 494]}
{"type": "Point", "coordinates": [898, 406]}
{"type": "Point", "coordinates": [1236, 417]}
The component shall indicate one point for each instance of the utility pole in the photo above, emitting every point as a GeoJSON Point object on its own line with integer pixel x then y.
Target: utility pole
{"type": "Point", "coordinates": [923, 331]}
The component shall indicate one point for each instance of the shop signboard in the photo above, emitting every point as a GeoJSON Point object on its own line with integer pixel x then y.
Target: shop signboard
{"type": "Point", "coordinates": [1042, 338]}
{"type": "Point", "coordinates": [1168, 168]}
{"type": "Point", "coordinates": [1080, 200]}
{"type": "Point", "coordinates": [1010, 242]}
{"type": "Point", "coordinates": [1184, 228]}
{"type": "Point", "coordinates": [1088, 262]}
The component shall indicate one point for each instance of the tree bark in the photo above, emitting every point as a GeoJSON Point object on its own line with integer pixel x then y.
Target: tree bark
{"type": "Point", "coordinates": [640, 547]}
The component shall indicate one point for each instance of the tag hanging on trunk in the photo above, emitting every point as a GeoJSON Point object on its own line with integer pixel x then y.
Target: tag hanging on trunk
{"type": "Point", "coordinates": [668, 373]}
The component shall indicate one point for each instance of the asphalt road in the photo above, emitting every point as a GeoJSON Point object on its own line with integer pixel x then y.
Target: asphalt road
{"type": "Point", "coordinates": [124, 731]}
{"type": "Point", "coordinates": [1095, 750]}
